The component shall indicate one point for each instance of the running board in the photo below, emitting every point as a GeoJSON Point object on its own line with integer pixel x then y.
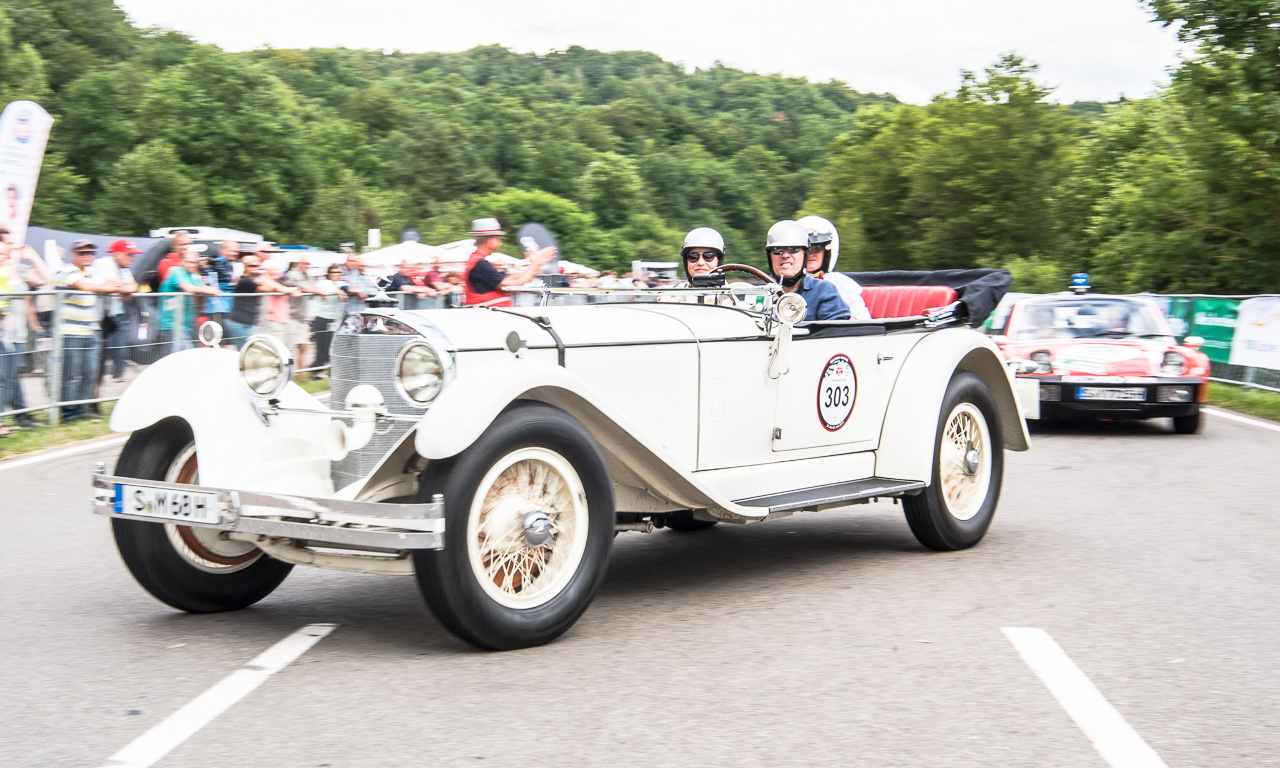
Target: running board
{"type": "Point", "coordinates": [831, 495]}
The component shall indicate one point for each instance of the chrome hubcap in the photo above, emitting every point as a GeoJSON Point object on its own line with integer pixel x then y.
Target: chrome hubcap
{"type": "Point", "coordinates": [537, 529]}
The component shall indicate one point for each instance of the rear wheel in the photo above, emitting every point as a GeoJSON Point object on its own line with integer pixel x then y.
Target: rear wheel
{"type": "Point", "coordinates": [1188, 425]}
{"type": "Point", "coordinates": [529, 523]}
{"type": "Point", "coordinates": [190, 568]}
{"type": "Point", "coordinates": [956, 510]}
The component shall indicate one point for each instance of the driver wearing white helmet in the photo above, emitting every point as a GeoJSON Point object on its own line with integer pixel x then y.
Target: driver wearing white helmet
{"type": "Point", "coordinates": [824, 249]}
{"type": "Point", "coordinates": [787, 245]}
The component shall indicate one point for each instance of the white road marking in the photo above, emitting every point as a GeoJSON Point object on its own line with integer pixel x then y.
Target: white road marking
{"type": "Point", "coordinates": [58, 454]}
{"type": "Point", "coordinates": [1111, 734]}
{"type": "Point", "coordinates": [1242, 419]}
{"type": "Point", "coordinates": [200, 711]}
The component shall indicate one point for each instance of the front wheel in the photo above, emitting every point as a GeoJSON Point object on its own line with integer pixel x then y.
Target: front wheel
{"type": "Point", "coordinates": [1190, 424]}
{"type": "Point", "coordinates": [190, 568]}
{"type": "Point", "coordinates": [529, 525]}
{"type": "Point", "coordinates": [956, 510]}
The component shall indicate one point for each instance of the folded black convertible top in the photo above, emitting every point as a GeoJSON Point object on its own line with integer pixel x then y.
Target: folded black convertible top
{"type": "Point", "coordinates": [979, 289]}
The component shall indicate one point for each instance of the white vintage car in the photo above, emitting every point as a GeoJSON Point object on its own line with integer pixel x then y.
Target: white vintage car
{"type": "Point", "coordinates": [495, 453]}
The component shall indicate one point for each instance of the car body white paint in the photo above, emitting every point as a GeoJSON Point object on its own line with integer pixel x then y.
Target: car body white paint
{"type": "Point", "coordinates": [679, 397]}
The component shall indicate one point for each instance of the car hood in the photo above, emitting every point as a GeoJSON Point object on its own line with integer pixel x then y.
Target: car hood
{"type": "Point", "coordinates": [602, 324]}
{"type": "Point", "coordinates": [1097, 357]}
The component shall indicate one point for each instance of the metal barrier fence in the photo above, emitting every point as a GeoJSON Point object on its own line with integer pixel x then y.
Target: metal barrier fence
{"type": "Point", "coordinates": [55, 369]}
{"type": "Point", "coordinates": [49, 365]}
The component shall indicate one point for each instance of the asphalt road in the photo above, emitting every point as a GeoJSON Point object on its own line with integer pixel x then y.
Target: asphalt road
{"type": "Point", "coordinates": [827, 639]}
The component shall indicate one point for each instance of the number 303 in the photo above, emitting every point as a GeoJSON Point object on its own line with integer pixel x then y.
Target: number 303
{"type": "Point", "coordinates": [836, 397]}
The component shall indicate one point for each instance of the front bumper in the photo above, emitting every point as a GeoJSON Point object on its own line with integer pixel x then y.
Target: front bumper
{"type": "Point", "coordinates": [314, 521]}
{"type": "Point", "coordinates": [1067, 404]}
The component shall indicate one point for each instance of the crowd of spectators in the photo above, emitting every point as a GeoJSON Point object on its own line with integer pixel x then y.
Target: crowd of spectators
{"type": "Point", "coordinates": [104, 312]}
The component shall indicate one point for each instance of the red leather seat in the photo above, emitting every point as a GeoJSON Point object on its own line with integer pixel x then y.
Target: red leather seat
{"type": "Point", "coordinates": [905, 300]}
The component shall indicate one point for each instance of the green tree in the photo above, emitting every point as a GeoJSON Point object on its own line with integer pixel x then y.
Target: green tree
{"type": "Point", "coordinates": [149, 187]}
{"type": "Point", "coordinates": [343, 212]}
{"type": "Point", "coordinates": [238, 130]}
{"type": "Point", "coordinates": [59, 200]}
{"type": "Point", "coordinates": [612, 190]}
{"type": "Point", "coordinates": [1230, 90]}
{"type": "Point", "coordinates": [99, 121]}
{"type": "Point", "coordinates": [576, 231]}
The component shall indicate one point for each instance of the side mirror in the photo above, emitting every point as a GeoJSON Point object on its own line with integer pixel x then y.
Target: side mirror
{"type": "Point", "coordinates": [1193, 342]}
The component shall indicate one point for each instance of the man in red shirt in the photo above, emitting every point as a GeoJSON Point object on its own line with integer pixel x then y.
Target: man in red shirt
{"type": "Point", "coordinates": [483, 282]}
{"type": "Point", "coordinates": [181, 239]}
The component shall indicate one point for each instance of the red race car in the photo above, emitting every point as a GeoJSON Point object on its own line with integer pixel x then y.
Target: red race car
{"type": "Point", "coordinates": [1105, 357]}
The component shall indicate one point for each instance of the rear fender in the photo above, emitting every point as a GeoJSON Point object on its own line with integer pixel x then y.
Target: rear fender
{"type": "Point", "coordinates": [236, 450]}
{"type": "Point", "coordinates": [911, 420]}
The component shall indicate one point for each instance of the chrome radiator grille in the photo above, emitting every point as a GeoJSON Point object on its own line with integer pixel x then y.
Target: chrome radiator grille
{"type": "Point", "coordinates": [367, 359]}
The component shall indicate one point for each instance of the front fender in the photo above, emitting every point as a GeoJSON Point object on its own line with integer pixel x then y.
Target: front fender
{"type": "Point", "coordinates": [911, 419]}
{"type": "Point", "coordinates": [236, 450]}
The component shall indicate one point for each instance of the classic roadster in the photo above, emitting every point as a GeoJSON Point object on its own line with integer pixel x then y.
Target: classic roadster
{"type": "Point", "coordinates": [494, 453]}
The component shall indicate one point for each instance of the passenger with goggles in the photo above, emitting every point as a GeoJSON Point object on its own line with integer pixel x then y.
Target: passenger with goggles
{"type": "Point", "coordinates": [787, 247]}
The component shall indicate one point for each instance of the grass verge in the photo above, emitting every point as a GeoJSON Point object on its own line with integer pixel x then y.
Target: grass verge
{"type": "Point", "coordinates": [30, 439]}
{"type": "Point", "coordinates": [1255, 402]}
{"type": "Point", "coordinates": [27, 440]}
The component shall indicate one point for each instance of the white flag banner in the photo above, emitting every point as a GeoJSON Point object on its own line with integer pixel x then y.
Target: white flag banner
{"type": "Point", "coordinates": [24, 132]}
{"type": "Point", "coordinates": [1257, 339]}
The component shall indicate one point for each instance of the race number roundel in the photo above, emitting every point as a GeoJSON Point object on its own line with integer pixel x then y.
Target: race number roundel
{"type": "Point", "coordinates": [836, 392]}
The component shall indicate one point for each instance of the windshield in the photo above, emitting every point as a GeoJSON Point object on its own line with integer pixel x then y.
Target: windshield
{"type": "Point", "coordinates": [1086, 317]}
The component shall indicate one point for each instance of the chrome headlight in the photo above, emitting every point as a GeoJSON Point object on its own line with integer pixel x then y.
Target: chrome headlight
{"type": "Point", "coordinates": [265, 365]}
{"type": "Point", "coordinates": [420, 372]}
{"type": "Point", "coordinates": [1043, 362]}
{"type": "Point", "coordinates": [1174, 363]}
{"type": "Point", "coordinates": [791, 309]}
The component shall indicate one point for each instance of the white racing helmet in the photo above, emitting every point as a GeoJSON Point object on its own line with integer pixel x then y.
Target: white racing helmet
{"type": "Point", "coordinates": [823, 232]}
{"type": "Point", "coordinates": [702, 237]}
{"type": "Point", "coordinates": [787, 233]}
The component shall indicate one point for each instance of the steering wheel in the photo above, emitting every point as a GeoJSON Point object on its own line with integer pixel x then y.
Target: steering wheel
{"type": "Point", "coordinates": [750, 270]}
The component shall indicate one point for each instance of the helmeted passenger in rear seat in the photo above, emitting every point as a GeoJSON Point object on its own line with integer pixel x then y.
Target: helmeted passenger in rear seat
{"type": "Point", "coordinates": [824, 249]}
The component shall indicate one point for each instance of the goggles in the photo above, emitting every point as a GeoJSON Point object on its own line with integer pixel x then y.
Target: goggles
{"type": "Point", "coordinates": [693, 257]}
{"type": "Point", "coordinates": [778, 250]}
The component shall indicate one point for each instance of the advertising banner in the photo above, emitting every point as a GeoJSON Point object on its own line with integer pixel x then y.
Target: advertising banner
{"type": "Point", "coordinates": [1257, 337]}
{"type": "Point", "coordinates": [1180, 313]}
{"type": "Point", "coordinates": [24, 132]}
{"type": "Point", "coordinates": [1215, 321]}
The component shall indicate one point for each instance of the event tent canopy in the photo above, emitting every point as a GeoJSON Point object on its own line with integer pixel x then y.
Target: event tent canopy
{"type": "Point", "coordinates": [410, 251]}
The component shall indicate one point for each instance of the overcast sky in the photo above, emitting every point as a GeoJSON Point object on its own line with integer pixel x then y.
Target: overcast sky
{"type": "Point", "coordinates": [1087, 49]}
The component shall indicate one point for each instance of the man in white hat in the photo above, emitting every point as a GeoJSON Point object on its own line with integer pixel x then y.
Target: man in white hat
{"type": "Point", "coordinates": [483, 282]}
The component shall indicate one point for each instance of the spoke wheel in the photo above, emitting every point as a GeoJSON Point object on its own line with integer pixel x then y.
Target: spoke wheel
{"type": "Point", "coordinates": [187, 567]}
{"type": "Point", "coordinates": [201, 546]}
{"type": "Point", "coordinates": [964, 463]}
{"type": "Point", "coordinates": [527, 527]}
{"type": "Point", "coordinates": [956, 509]}
{"type": "Point", "coordinates": [529, 521]}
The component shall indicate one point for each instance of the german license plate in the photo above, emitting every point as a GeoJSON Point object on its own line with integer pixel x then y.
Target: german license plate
{"type": "Point", "coordinates": [1133, 394]}
{"type": "Point", "coordinates": [167, 504]}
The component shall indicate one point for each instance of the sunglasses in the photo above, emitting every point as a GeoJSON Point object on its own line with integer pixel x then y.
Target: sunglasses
{"type": "Point", "coordinates": [778, 250]}
{"type": "Point", "coordinates": [694, 258]}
